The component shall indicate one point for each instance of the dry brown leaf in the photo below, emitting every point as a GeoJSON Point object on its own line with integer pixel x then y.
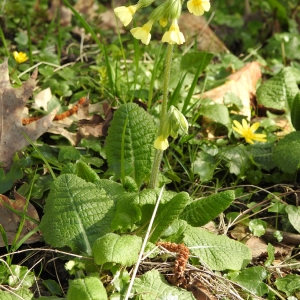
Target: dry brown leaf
{"type": "Point", "coordinates": [11, 220]}
{"type": "Point", "coordinates": [201, 292]}
{"type": "Point", "coordinates": [242, 83]}
{"type": "Point", "coordinates": [259, 247]}
{"type": "Point", "coordinates": [192, 26]}
{"type": "Point", "coordinates": [12, 103]}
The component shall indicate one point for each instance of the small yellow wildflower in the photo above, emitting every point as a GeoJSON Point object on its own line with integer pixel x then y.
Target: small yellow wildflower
{"type": "Point", "coordinates": [174, 35]}
{"type": "Point", "coordinates": [247, 132]}
{"type": "Point", "coordinates": [163, 22]}
{"type": "Point", "coordinates": [197, 7]}
{"type": "Point", "coordinates": [161, 143]}
{"type": "Point", "coordinates": [143, 33]}
{"type": "Point", "coordinates": [20, 57]}
{"type": "Point", "coordinates": [125, 13]}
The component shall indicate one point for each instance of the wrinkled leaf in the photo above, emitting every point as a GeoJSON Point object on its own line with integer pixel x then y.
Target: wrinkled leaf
{"type": "Point", "coordinates": [286, 154]}
{"type": "Point", "coordinates": [200, 212]}
{"type": "Point", "coordinates": [153, 286]}
{"type": "Point", "coordinates": [279, 91]}
{"type": "Point", "coordinates": [216, 251]}
{"type": "Point", "coordinates": [129, 144]}
{"type": "Point", "coordinates": [167, 214]}
{"type": "Point", "coordinates": [76, 213]}
{"type": "Point", "coordinates": [88, 288]}
{"type": "Point", "coordinates": [118, 249]}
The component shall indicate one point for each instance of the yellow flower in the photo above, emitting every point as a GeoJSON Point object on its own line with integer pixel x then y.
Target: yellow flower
{"type": "Point", "coordinates": [163, 22]}
{"type": "Point", "coordinates": [143, 33]}
{"type": "Point", "coordinates": [125, 13]}
{"type": "Point", "coordinates": [161, 143]}
{"type": "Point", "coordinates": [197, 7]}
{"type": "Point", "coordinates": [247, 132]}
{"type": "Point", "coordinates": [20, 57]}
{"type": "Point", "coordinates": [173, 36]}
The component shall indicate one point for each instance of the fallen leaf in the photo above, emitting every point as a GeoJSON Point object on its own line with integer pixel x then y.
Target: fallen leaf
{"type": "Point", "coordinates": [96, 126]}
{"type": "Point", "coordinates": [10, 220]}
{"type": "Point", "coordinates": [242, 83]}
{"type": "Point", "coordinates": [42, 99]}
{"type": "Point", "coordinates": [193, 26]}
{"type": "Point", "coordinates": [65, 14]}
{"type": "Point", "coordinates": [12, 103]}
{"type": "Point", "coordinates": [259, 247]}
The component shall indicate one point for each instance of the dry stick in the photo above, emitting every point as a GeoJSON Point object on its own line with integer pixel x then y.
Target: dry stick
{"type": "Point", "coordinates": [144, 245]}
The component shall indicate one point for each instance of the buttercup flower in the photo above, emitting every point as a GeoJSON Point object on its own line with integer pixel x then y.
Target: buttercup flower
{"type": "Point", "coordinates": [174, 35]}
{"type": "Point", "coordinates": [161, 143]}
{"type": "Point", "coordinates": [197, 7]}
{"type": "Point", "coordinates": [247, 132]}
{"type": "Point", "coordinates": [125, 13]}
{"type": "Point", "coordinates": [20, 57]}
{"type": "Point", "coordinates": [143, 33]}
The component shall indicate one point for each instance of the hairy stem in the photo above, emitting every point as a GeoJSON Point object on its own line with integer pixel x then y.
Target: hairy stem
{"type": "Point", "coordinates": [159, 153]}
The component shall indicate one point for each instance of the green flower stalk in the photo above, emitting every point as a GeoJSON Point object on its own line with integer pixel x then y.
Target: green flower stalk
{"type": "Point", "coordinates": [169, 11]}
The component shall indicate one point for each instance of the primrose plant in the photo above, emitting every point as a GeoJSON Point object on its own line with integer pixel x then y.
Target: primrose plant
{"type": "Point", "coordinates": [112, 221]}
{"type": "Point", "coordinates": [169, 11]}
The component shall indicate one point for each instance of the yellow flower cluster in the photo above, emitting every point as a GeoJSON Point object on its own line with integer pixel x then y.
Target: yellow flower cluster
{"type": "Point", "coordinates": [20, 57]}
{"type": "Point", "coordinates": [247, 131]}
{"type": "Point", "coordinates": [169, 11]}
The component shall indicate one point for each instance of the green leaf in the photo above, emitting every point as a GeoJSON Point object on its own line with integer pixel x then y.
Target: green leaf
{"type": "Point", "coordinates": [86, 172]}
{"type": "Point", "coordinates": [257, 227]}
{"type": "Point", "coordinates": [286, 154]}
{"type": "Point", "coordinates": [216, 113]}
{"type": "Point", "coordinates": [88, 288]}
{"type": "Point", "coordinates": [16, 172]}
{"type": "Point", "coordinates": [195, 60]}
{"type": "Point", "coordinates": [20, 276]}
{"type": "Point", "coordinates": [279, 91]}
{"type": "Point", "coordinates": [129, 144]}
{"type": "Point", "coordinates": [289, 284]}
{"type": "Point", "coordinates": [294, 216]}
{"type": "Point", "coordinates": [252, 279]}
{"type": "Point", "coordinates": [295, 112]}
{"type": "Point", "coordinates": [118, 249]}
{"type": "Point", "coordinates": [174, 232]}
{"type": "Point", "coordinates": [68, 153]}
{"type": "Point", "coordinates": [23, 294]}
{"type": "Point", "coordinates": [53, 287]}
{"type": "Point", "coordinates": [76, 213]}
{"type": "Point", "coordinates": [153, 286]}
{"type": "Point", "coordinates": [200, 212]}
{"type": "Point", "coordinates": [271, 255]}
{"type": "Point", "coordinates": [167, 214]}
{"type": "Point", "coordinates": [237, 159]}
{"type": "Point", "coordinates": [112, 188]}
{"type": "Point", "coordinates": [204, 165]}
{"type": "Point", "coordinates": [127, 212]}
{"type": "Point", "coordinates": [262, 154]}
{"type": "Point", "coordinates": [217, 251]}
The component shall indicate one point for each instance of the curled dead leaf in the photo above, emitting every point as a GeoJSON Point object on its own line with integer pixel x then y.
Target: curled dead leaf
{"type": "Point", "coordinates": [11, 214]}
{"type": "Point", "coordinates": [12, 103]}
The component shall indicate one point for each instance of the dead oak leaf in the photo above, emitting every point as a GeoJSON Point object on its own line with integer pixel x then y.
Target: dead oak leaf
{"type": "Point", "coordinates": [12, 104]}
{"type": "Point", "coordinates": [11, 214]}
{"type": "Point", "coordinates": [242, 83]}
